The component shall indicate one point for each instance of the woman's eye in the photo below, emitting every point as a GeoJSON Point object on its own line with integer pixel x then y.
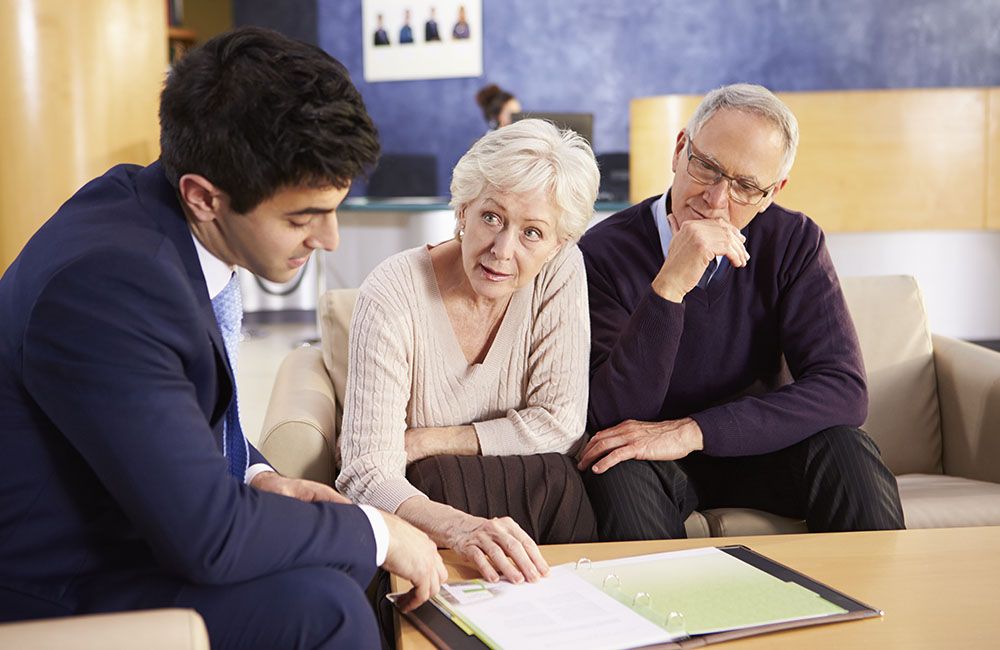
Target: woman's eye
{"type": "Point", "coordinates": [534, 234]}
{"type": "Point", "coordinates": [491, 218]}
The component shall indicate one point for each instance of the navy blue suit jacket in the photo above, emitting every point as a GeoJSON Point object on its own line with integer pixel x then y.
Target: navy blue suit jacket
{"type": "Point", "coordinates": [113, 387]}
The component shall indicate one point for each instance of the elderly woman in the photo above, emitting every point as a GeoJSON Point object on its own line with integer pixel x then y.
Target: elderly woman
{"type": "Point", "coordinates": [473, 356]}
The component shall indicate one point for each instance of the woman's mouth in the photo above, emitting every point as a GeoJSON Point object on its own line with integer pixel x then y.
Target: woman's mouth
{"type": "Point", "coordinates": [493, 275]}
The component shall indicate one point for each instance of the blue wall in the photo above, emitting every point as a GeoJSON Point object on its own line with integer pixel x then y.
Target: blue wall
{"type": "Point", "coordinates": [595, 55]}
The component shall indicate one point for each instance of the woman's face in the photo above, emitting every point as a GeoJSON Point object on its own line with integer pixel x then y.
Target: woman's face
{"type": "Point", "coordinates": [510, 107]}
{"type": "Point", "coordinates": [507, 239]}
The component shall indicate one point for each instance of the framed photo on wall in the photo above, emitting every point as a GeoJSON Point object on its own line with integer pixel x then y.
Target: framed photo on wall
{"type": "Point", "coordinates": [422, 39]}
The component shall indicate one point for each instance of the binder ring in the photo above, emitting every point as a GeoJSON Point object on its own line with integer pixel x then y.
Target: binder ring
{"type": "Point", "coordinates": [611, 577]}
{"type": "Point", "coordinates": [642, 595]}
{"type": "Point", "coordinates": [583, 563]}
{"type": "Point", "coordinates": [675, 624]}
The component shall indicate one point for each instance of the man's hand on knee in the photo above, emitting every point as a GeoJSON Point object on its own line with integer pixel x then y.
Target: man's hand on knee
{"type": "Point", "coordinates": [413, 556]}
{"type": "Point", "coordinates": [635, 440]}
{"type": "Point", "coordinates": [297, 488]}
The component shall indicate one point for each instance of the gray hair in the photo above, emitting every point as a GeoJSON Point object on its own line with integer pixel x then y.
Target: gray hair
{"type": "Point", "coordinates": [529, 156]}
{"type": "Point", "coordinates": [758, 100]}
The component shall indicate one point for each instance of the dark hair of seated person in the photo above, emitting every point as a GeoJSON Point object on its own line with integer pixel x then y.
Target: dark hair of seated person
{"type": "Point", "coordinates": [491, 99]}
{"type": "Point", "coordinates": [253, 129]}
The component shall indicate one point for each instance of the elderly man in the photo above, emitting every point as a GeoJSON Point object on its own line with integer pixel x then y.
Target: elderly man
{"type": "Point", "coordinates": [698, 300]}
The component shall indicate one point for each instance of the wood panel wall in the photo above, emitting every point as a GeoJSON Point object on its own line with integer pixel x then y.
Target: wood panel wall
{"type": "Point", "coordinates": [81, 82]}
{"type": "Point", "coordinates": [879, 160]}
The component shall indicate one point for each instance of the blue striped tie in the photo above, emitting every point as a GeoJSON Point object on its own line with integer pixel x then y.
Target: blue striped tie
{"type": "Point", "coordinates": [228, 308]}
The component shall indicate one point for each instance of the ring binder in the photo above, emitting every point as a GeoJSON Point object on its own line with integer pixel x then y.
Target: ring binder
{"type": "Point", "coordinates": [680, 599]}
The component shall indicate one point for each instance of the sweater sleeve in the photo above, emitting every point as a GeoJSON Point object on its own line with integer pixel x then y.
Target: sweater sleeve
{"type": "Point", "coordinates": [632, 350]}
{"type": "Point", "coordinates": [820, 345]}
{"type": "Point", "coordinates": [372, 443]}
{"type": "Point", "coordinates": [556, 375]}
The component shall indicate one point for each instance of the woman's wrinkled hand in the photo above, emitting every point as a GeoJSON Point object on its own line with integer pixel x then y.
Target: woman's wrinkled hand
{"type": "Point", "coordinates": [498, 548]}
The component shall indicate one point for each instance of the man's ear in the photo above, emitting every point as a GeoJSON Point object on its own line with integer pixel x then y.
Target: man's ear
{"type": "Point", "coordinates": [774, 193]}
{"type": "Point", "coordinates": [678, 149]}
{"type": "Point", "coordinates": [203, 199]}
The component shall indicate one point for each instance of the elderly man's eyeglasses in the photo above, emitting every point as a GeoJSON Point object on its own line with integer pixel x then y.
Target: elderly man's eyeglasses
{"type": "Point", "coordinates": [706, 172]}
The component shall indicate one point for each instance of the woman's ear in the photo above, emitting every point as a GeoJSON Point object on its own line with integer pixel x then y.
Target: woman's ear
{"type": "Point", "coordinates": [555, 251]}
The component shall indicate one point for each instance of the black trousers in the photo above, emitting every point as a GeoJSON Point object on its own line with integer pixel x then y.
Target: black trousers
{"type": "Point", "coordinates": [835, 480]}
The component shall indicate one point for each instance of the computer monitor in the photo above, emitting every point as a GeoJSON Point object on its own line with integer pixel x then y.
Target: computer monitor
{"type": "Point", "coordinates": [582, 123]}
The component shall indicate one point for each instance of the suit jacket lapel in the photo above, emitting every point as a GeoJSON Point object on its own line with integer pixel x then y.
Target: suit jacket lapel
{"type": "Point", "coordinates": [160, 200]}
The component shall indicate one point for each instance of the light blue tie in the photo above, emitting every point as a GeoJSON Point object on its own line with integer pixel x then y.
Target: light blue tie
{"type": "Point", "coordinates": [228, 308]}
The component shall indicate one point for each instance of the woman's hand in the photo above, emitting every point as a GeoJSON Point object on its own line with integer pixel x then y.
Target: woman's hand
{"type": "Point", "coordinates": [440, 441]}
{"type": "Point", "coordinates": [498, 547]}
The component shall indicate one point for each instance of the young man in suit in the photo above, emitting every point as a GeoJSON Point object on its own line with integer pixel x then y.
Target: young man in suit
{"type": "Point", "coordinates": [698, 298]}
{"type": "Point", "coordinates": [128, 483]}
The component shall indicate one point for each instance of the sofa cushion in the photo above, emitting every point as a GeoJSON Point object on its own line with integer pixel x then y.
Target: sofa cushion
{"type": "Point", "coordinates": [696, 526]}
{"type": "Point", "coordinates": [934, 501]}
{"type": "Point", "coordinates": [335, 309]}
{"type": "Point", "coordinates": [733, 522]}
{"type": "Point", "coordinates": [903, 415]}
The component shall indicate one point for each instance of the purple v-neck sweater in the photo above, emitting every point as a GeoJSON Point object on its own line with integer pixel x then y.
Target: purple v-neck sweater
{"type": "Point", "coordinates": [717, 357]}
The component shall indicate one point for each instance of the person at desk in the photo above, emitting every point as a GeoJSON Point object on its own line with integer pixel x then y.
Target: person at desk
{"type": "Point", "coordinates": [468, 361]}
{"type": "Point", "coordinates": [128, 482]}
{"type": "Point", "coordinates": [498, 105]}
{"type": "Point", "coordinates": [698, 297]}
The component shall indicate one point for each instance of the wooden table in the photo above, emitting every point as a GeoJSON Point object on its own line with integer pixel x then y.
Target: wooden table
{"type": "Point", "coordinates": [939, 588]}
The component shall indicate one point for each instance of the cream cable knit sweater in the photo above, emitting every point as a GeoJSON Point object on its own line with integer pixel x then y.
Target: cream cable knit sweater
{"type": "Point", "coordinates": [406, 369]}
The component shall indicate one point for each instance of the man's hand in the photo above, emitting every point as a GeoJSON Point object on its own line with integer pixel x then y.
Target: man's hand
{"type": "Point", "coordinates": [297, 488]}
{"type": "Point", "coordinates": [631, 439]}
{"type": "Point", "coordinates": [413, 556]}
{"type": "Point", "coordinates": [692, 247]}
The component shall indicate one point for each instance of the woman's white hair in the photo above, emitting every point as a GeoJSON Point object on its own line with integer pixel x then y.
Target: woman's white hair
{"type": "Point", "coordinates": [529, 156]}
{"type": "Point", "coordinates": [758, 100]}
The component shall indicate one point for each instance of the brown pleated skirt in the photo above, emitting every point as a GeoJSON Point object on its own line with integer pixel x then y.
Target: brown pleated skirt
{"type": "Point", "coordinates": [543, 493]}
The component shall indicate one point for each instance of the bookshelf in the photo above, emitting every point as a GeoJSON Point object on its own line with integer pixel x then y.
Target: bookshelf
{"type": "Point", "coordinates": [180, 39]}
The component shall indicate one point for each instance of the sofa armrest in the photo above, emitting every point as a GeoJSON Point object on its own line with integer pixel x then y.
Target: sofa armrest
{"type": "Point", "coordinates": [155, 629]}
{"type": "Point", "coordinates": [968, 379]}
{"type": "Point", "coordinates": [299, 433]}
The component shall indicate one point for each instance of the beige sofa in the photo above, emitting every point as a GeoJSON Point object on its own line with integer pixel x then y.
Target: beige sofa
{"type": "Point", "coordinates": [934, 412]}
{"type": "Point", "coordinates": [157, 629]}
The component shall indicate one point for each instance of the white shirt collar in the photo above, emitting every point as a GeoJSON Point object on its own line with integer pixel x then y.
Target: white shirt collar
{"type": "Point", "coordinates": [659, 209]}
{"type": "Point", "coordinates": [217, 273]}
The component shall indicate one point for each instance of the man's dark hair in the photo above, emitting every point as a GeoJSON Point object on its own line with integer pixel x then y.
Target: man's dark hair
{"type": "Point", "coordinates": [254, 111]}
